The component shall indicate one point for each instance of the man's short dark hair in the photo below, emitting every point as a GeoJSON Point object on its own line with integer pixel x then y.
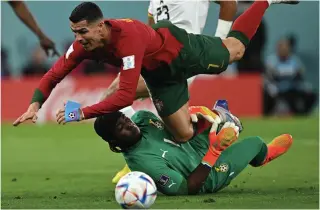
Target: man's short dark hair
{"type": "Point", "coordinates": [88, 11]}
{"type": "Point", "coordinates": [105, 126]}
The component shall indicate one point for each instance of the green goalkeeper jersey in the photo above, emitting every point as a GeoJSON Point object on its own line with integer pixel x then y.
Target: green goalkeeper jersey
{"type": "Point", "coordinates": [168, 163]}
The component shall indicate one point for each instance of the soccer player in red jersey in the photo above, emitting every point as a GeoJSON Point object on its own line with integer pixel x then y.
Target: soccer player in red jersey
{"type": "Point", "coordinates": [163, 54]}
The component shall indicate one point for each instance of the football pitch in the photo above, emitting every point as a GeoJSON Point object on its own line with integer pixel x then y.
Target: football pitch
{"type": "Point", "coordinates": [68, 167]}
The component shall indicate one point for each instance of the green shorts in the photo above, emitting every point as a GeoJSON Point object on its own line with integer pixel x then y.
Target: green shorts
{"type": "Point", "coordinates": [200, 55]}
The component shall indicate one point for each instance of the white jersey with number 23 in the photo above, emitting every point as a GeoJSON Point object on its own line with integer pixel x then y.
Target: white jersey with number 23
{"type": "Point", "coordinates": [190, 15]}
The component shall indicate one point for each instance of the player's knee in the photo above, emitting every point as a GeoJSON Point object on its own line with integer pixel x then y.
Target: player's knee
{"type": "Point", "coordinates": [259, 141]}
{"type": "Point", "coordinates": [184, 136]}
{"type": "Point", "coordinates": [235, 47]}
{"type": "Point", "coordinates": [240, 52]}
{"type": "Point", "coordinates": [255, 141]}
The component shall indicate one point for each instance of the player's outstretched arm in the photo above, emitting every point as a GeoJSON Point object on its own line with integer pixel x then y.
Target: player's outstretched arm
{"type": "Point", "coordinates": [62, 67]}
{"type": "Point", "coordinates": [30, 114]}
{"type": "Point", "coordinates": [227, 13]}
{"type": "Point", "coordinates": [22, 11]}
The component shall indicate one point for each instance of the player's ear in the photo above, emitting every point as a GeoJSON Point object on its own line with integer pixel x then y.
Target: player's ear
{"type": "Point", "coordinates": [101, 24]}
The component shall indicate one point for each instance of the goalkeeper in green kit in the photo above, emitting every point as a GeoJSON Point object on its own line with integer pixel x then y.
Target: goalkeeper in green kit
{"type": "Point", "coordinates": [205, 164]}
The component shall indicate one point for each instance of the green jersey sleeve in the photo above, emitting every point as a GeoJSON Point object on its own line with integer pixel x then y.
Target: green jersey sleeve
{"type": "Point", "coordinates": [168, 181]}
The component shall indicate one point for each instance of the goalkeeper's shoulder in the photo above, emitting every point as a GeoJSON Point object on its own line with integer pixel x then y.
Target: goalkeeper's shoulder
{"type": "Point", "coordinates": [144, 114]}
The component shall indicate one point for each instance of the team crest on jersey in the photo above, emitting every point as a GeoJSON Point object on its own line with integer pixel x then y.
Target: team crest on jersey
{"type": "Point", "coordinates": [158, 104]}
{"type": "Point", "coordinates": [157, 124]}
{"type": "Point", "coordinates": [222, 168]}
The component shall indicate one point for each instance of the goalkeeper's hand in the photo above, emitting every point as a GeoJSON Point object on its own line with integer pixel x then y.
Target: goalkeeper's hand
{"type": "Point", "coordinates": [219, 142]}
{"type": "Point", "coordinates": [228, 134]}
{"type": "Point", "coordinates": [197, 112]}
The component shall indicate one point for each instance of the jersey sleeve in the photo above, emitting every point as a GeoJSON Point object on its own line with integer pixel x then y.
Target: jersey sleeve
{"type": "Point", "coordinates": [150, 9]}
{"type": "Point", "coordinates": [63, 66]}
{"type": "Point", "coordinates": [130, 49]}
{"type": "Point", "coordinates": [168, 181]}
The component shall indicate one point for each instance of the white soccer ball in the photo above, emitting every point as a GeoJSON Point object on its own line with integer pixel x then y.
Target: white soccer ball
{"type": "Point", "coordinates": [136, 190]}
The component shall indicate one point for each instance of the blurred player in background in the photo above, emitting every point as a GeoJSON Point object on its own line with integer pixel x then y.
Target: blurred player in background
{"type": "Point", "coordinates": [22, 11]}
{"type": "Point", "coordinates": [198, 166]}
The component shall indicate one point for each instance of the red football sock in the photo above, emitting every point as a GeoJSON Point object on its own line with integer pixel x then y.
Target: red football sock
{"type": "Point", "coordinates": [249, 21]}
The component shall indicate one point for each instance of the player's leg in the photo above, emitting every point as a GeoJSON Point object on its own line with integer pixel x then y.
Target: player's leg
{"type": "Point", "coordinates": [245, 26]}
{"type": "Point", "coordinates": [277, 147]}
{"type": "Point", "coordinates": [141, 92]}
{"type": "Point", "coordinates": [179, 124]}
{"type": "Point", "coordinates": [251, 151]}
{"type": "Point", "coordinates": [171, 102]}
{"type": "Point", "coordinates": [214, 54]}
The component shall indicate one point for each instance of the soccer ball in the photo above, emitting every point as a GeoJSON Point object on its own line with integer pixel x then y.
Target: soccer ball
{"type": "Point", "coordinates": [136, 190]}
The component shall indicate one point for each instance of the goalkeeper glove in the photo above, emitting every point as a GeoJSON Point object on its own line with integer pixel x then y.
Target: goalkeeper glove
{"type": "Point", "coordinates": [219, 142]}
{"type": "Point", "coordinates": [204, 112]}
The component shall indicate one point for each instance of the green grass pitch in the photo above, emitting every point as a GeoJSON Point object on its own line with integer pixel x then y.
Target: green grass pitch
{"type": "Point", "coordinates": [54, 166]}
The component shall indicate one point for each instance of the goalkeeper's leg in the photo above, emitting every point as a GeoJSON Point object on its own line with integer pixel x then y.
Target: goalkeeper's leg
{"type": "Point", "coordinates": [251, 150]}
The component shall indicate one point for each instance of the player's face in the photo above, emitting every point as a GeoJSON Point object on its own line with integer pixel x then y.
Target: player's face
{"type": "Point", "coordinates": [126, 130]}
{"type": "Point", "coordinates": [88, 34]}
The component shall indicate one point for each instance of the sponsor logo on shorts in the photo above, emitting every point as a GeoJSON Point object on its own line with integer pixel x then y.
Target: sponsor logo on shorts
{"type": "Point", "coordinates": [164, 179]}
{"type": "Point", "coordinates": [222, 168]}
